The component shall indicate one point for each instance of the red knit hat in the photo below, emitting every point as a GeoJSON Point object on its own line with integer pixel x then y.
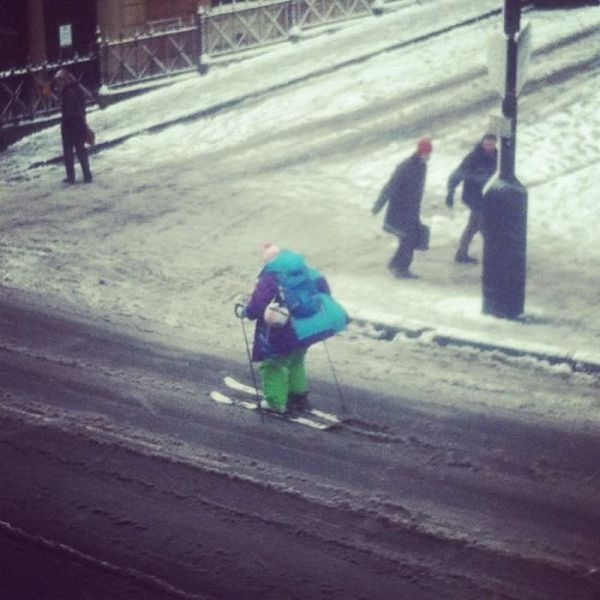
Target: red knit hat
{"type": "Point", "coordinates": [424, 146]}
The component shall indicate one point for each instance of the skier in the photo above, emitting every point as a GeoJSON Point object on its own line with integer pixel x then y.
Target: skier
{"type": "Point", "coordinates": [474, 171]}
{"type": "Point", "coordinates": [73, 126]}
{"type": "Point", "coordinates": [293, 309]}
{"type": "Point", "coordinates": [403, 193]}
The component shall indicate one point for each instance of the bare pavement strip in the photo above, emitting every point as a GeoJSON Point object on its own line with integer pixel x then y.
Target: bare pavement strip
{"type": "Point", "coordinates": [121, 480]}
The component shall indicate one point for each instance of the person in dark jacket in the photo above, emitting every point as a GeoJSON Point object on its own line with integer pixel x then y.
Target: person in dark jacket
{"type": "Point", "coordinates": [403, 194]}
{"type": "Point", "coordinates": [280, 339]}
{"type": "Point", "coordinates": [474, 171]}
{"type": "Point", "coordinates": [73, 126]}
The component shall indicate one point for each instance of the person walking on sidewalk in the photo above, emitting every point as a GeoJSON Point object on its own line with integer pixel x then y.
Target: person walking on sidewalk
{"type": "Point", "coordinates": [73, 126]}
{"type": "Point", "coordinates": [474, 171]}
{"type": "Point", "coordinates": [403, 194]}
{"type": "Point", "coordinates": [293, 309]}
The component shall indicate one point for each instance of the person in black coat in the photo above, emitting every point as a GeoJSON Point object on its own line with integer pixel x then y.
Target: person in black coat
{"type": "Point", "coordinates": [474, 171]}
{"type": "Point", "coordinates": [403, 194]}
{"type": "Point", "coordinates": [73, 126]}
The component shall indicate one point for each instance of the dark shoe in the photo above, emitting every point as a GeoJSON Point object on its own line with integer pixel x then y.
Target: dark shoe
{"type": "Point", "coordinates": [298, 402]}
{"type": "Point", "coordinates": [466, 260]}
{"type": "Point", "coordinates": [87, 180]}
{"type": "Point", "coordinates": [402, 273]}
{"type": "Point", "coordinates": [68, 180]}
{"type": "Point", "coordinates": [406, 274]}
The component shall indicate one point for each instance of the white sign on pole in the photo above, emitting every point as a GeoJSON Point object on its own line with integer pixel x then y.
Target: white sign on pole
{"type": "Point", "coordinates": [496, 59]}
{"type": "Point", "coordinates": [500, 125]}
{"type": "Point", "coordinates": [523, 55]}
{"type": "Point", "coordinates": [496, 62]}
{"type": "Point", "coordinates": [65, 35]}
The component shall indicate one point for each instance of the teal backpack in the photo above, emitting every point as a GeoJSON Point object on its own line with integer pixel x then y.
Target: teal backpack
{"type": "Point", "coordinates": [297, 284]}
{"type": "Point", "coordinates": [299, 292]}
{"type": "Point", "coordinates": [314, 315]}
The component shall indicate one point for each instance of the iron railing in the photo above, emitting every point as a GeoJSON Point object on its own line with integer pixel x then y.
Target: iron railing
{"type": "Point", "coordinates": [233, 27]}
{"type": "Point", "coordinates": [311, 13]}
{"type": "Point", "coordinates": [27, 94]}
{"type": "Point", "coordinates": [147, 56]}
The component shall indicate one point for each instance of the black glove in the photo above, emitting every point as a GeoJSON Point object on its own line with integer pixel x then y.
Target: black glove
{"type": "Point", "coordinates": [450, 200]}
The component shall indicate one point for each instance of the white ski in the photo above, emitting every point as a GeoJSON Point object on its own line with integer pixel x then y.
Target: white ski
{"type": "Point", "coordinates": [307, 422]}
{"type": "Point", "coordinates": [234, 384]}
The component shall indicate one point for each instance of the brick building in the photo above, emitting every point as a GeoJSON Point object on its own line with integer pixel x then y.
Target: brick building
{"type": "Point", "coordinates": [34, 31]}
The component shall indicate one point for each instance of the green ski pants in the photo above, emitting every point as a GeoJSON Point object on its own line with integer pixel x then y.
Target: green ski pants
{"type": "Point", "coordinates": [283, 376]}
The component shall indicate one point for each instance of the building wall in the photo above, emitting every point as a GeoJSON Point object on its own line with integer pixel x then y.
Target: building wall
{"type": "Point", "coordinates": [157, 9]}
{"type": "Point", "coordinates": [79, 18]}
{"type": "Point", "coordinates": [13, 33]}
{"type": "Point", "coordinates": [125, 17]}
{"type": "Point", "coordinates": [36, 31]}
{"type": "Point", "coordinates": [29, 28]}
{"type": "Point", "coordinates": [109, 16]}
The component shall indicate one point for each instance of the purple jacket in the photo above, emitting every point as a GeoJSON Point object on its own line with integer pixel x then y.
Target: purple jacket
{"type": "Point", "coordinates": [270, 342]}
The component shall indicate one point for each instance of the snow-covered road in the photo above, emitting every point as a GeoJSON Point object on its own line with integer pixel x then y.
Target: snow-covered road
{"type": "Point", "coordinates": [115, 460]}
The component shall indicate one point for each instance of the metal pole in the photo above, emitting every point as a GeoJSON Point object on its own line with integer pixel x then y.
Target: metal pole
{"type": "Point", "coordinates": [239, 313]}
{"type": "Point", "coordinates": [505, 200]}
{"type": "Point", "coordinates": [200, 40]}
{"type": "Point", "coordinates": [512, 17]}
{"type": "Point", "coordinates": [335, 379]}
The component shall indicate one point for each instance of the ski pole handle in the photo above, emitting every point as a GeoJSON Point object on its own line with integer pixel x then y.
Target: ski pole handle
{"type": "Point", "coordinates": [239, 310]}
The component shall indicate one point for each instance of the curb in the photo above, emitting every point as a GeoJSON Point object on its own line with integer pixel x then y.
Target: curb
{"type": "Point", "coordinates": [389, 332]}
{"type": "Point", "coordinates": [576, 365]}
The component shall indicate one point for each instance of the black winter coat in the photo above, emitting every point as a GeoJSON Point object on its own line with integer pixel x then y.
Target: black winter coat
{"type": "Point", "coordinates": [403, 193]}
{"type": "Point", "coordinates": [73, 124]}
{"type": "Point", "coordinates": [474, 171]}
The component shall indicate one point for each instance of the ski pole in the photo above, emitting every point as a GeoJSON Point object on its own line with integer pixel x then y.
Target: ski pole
{"type": "Point", "coordinates": [335, 379]}
{"type": "Point", "coordinates": [239, 313]}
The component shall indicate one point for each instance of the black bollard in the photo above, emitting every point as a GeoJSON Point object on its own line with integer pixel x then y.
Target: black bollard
{"type": "Point", "coordinates": [505, 248]}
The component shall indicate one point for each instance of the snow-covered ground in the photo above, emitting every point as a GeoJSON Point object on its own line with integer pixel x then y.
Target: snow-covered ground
{"type": "Point", "coordinates": [167, 238]}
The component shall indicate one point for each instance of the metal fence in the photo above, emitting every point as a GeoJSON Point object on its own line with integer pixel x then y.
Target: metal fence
{"type": "Point", "coordinates": [27, 94]}
{"type": "Point", "coordinates": [147, 56]}
{"type": "Point", "coordinates": [311, 13]}
{"type": "Point", "coordinates": [235, 27]}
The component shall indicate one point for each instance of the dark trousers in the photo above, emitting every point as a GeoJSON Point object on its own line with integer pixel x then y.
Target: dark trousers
{"type": "Point", "coordinates": [403, 256]}
{"type": "Point", "coordinates": [79, 145]}
{"type": "Point", "coordinates": [473, 226]}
